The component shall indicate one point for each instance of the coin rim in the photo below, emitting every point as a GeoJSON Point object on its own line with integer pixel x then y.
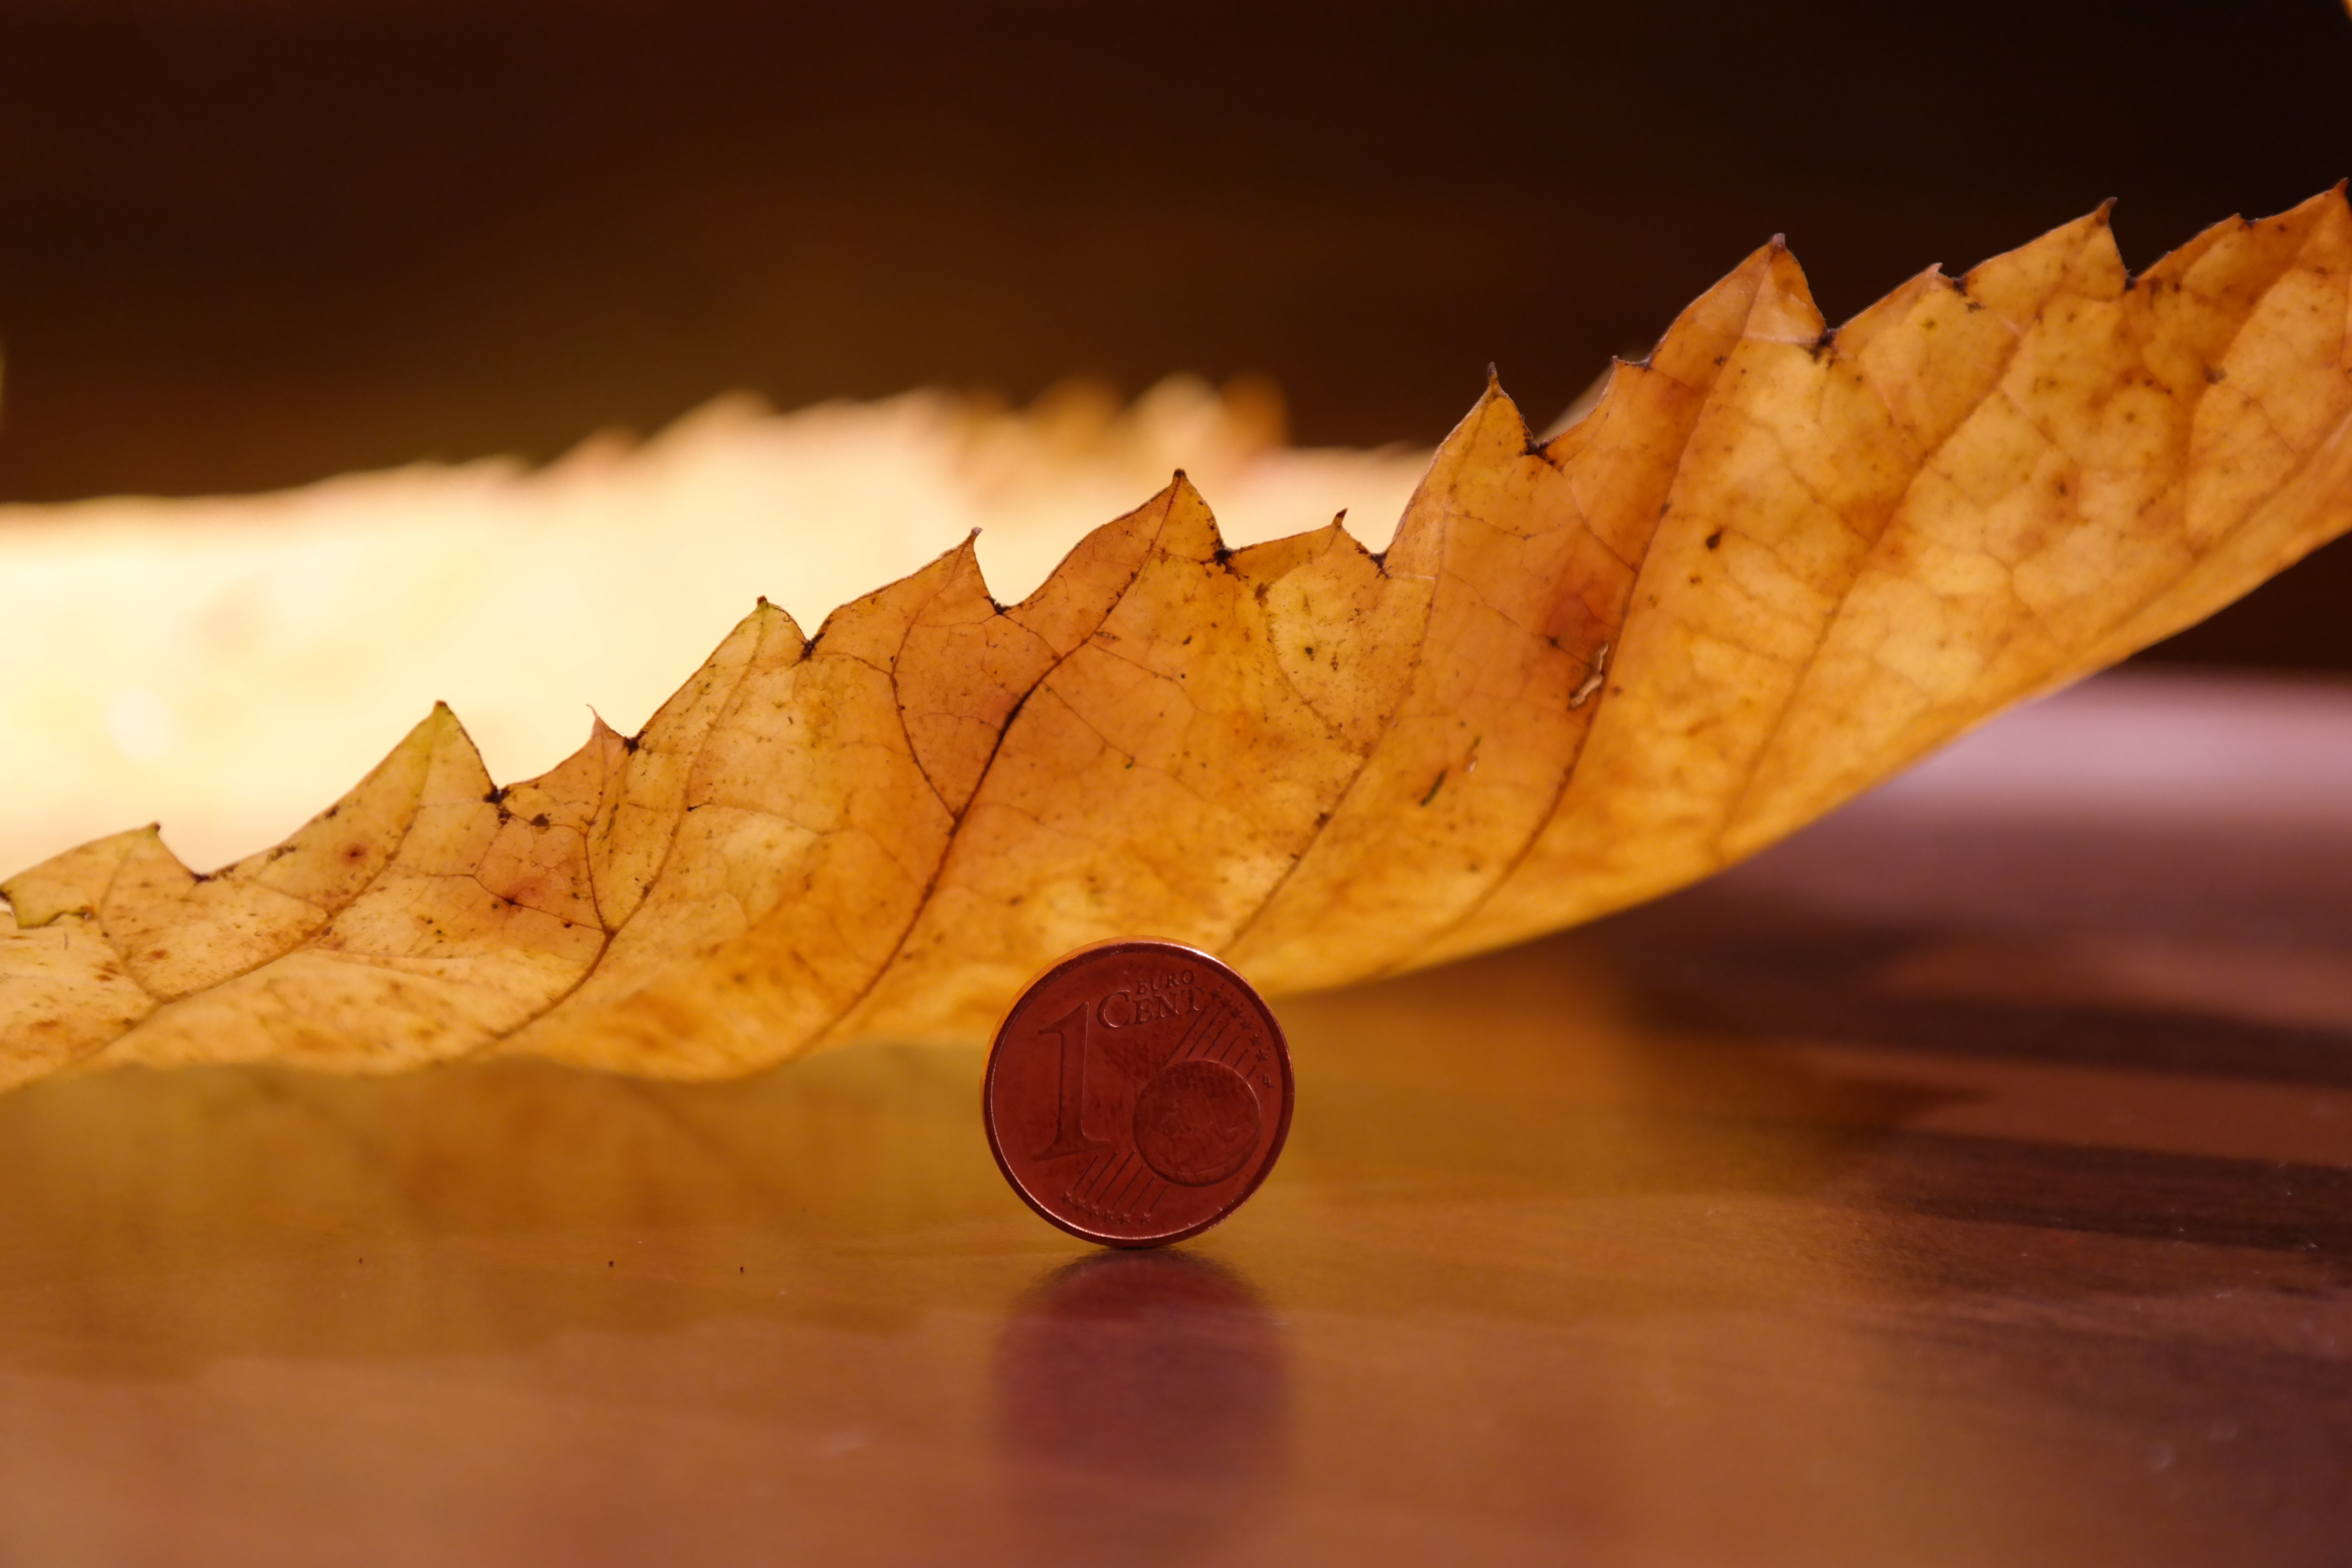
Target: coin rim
{"type": "Point", "coordinates": [1189, 955]}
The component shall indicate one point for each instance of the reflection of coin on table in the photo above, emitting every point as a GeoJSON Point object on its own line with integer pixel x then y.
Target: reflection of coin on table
{"type": "Point", "coordinates": [1137, 1092]}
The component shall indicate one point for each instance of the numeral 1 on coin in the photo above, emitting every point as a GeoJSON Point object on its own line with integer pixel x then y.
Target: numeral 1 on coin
{"type": "Point", "coordinates": [1069, 1130]}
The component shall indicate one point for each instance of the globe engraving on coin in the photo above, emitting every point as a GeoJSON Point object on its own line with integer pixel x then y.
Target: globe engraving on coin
{"type": "Point", "coordinates": [1137, 1092]}
{"type": "Point", "coordinates": [1197, 1123]}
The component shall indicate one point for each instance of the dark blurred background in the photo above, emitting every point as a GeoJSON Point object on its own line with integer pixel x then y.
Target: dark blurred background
{"type": "Point", "coordinates": [246, 243]}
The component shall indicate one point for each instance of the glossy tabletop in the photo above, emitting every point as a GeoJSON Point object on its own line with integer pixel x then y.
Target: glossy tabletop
{"type": "Point", "coordinates": [1969, 1181]}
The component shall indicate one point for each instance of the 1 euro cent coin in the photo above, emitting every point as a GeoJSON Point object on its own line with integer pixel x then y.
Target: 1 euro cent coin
{"type": "Point", "coordinates": [1136, 1093]}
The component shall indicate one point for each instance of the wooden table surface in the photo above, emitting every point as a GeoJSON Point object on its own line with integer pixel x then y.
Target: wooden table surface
{"type": "Point", "coordinates": [1969, 1181]}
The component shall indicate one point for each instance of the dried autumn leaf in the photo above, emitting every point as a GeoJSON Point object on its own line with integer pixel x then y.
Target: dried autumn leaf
{"type": "Point", "coordinates": [1772, 564]}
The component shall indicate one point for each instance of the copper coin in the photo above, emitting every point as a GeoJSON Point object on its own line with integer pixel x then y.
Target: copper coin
{"type": "Point", "coordinates": [1137, 1092]}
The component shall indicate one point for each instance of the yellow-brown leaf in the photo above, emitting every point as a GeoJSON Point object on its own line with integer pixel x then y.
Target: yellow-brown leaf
{"type": "Point", "coordinates": [1774, 563]}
